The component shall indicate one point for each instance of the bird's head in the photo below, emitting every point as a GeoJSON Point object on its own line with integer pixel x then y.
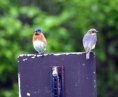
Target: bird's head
{"type": "Point", "coordinates": [37, 31]}
{"type": "Point", "coordinates": [92, 31]}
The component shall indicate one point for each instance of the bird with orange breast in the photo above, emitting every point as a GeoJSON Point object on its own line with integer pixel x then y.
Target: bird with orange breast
{"type": "Point", "coordinates": [39, 41]}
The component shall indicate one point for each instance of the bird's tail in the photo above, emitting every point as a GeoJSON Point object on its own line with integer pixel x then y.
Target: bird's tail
{"type": "Point", "coordinates": [42, 53]}
{"type": "Point", "coordinates": [87, 55]}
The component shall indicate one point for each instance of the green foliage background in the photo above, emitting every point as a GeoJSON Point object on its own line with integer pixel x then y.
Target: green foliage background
{"type": "Point", "coordinates": [64, 22]}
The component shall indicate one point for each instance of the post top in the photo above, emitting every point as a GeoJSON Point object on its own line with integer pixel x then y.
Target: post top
{"type": "Point", "coordinates": [55, 54]}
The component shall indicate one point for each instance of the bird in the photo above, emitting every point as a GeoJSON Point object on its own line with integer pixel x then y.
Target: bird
{"type": "Point", "coordinates": [89, 41]}
{"type": "Point", "coordinates": [39, 41]}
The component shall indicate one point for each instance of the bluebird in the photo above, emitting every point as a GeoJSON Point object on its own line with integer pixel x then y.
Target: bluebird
{"type": "Point", "coordinates": [89, 41]}
{"type": "Point", "coordinates": [39, 41]}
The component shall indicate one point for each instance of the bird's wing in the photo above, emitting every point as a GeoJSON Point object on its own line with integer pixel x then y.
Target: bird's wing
{"type": "Point", "coordinates": [43, 39]}
{"type": "Point", "coordinates": [89, 41]}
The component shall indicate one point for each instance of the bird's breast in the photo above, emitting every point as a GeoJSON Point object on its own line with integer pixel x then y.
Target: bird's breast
{"type": "Point", "coordinates": [38, 44]}
{"type": "Point", "coordinates": [38, 37]}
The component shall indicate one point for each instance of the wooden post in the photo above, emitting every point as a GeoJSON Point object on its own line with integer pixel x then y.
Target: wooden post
{"type": "Point", "coordinates": [76, 79]}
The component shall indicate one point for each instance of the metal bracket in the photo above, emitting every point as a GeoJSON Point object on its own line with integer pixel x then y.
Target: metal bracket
{"type": "Point", "coordinates": [57, 81]}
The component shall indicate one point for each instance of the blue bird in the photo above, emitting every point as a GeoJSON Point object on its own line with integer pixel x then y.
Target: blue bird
{"type": "Point", "coordinates": [89, 41]}
{"type": "Point", "coordinates": [39, 41]}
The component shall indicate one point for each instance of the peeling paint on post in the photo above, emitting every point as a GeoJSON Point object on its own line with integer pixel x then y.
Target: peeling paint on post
{"type": "Point", "coordinates": [35, 74]}
{"type": "Point", "coordinates": [57, 81]}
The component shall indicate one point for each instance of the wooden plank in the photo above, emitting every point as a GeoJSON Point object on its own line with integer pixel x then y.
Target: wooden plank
{"type": "Point", "coordinates": [35, 74]}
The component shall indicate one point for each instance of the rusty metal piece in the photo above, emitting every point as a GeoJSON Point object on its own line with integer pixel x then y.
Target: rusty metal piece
{"type": "Point", "coordinates": [57, 81]}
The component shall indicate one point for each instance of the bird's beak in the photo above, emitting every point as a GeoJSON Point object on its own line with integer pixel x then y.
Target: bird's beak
{"type": "Point", "coordinates": [97, 31]}
{"type": "Point", "coordinates": [36, 33]}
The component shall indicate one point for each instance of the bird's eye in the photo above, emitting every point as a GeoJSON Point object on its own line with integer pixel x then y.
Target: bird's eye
{"type": "Point", "coordinates": [93, 31]}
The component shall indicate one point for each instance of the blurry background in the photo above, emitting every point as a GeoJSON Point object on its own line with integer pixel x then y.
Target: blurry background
{"type": "Point", "coordinates": [64, 22]}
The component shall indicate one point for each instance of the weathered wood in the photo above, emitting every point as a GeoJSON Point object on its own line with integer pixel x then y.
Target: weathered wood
{"type": "Point", "coordinates": [35, 74]}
